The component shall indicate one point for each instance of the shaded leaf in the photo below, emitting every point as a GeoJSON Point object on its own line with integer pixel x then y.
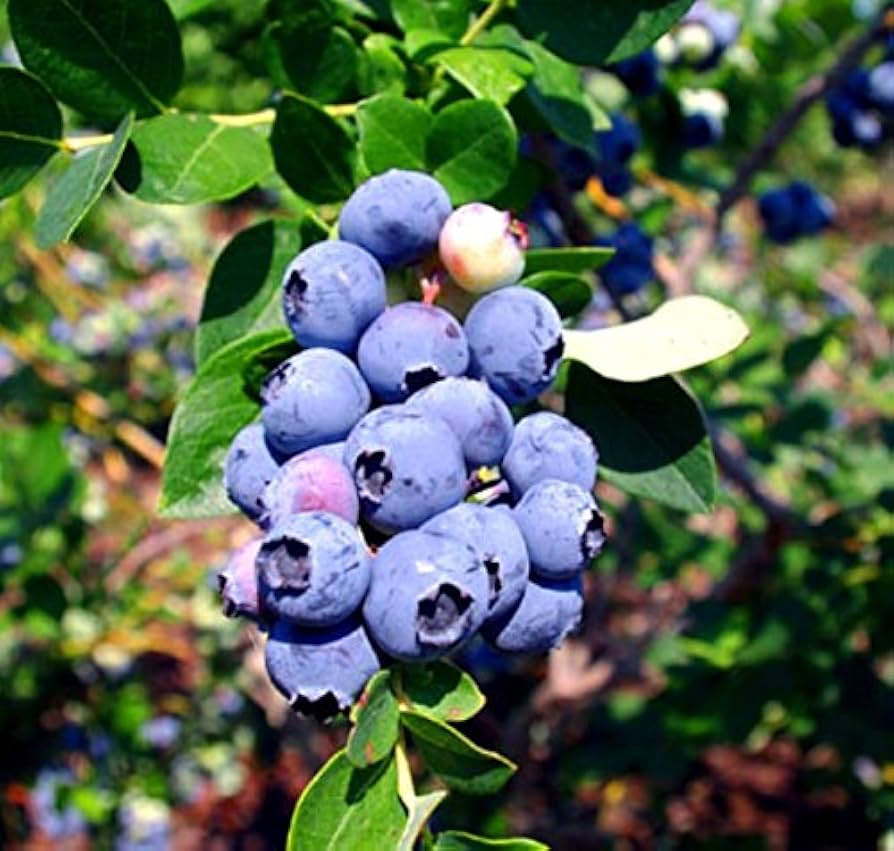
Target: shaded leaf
{"type": "Point", "coordinates": [30, 128]}
{"type": "Point", "coordinates": [447, 17]}
{"type": "Point", "coordinates": [243, 294]}
{"type": "Point", "coordinates": [440, 689]}
{"type": "Point", "coordinates": [71, 197]}
{"type": "Point", "coordinates": [457, 760]}
{"type": "Point", "coordinates": [393, 131]}
{"type": "Point", "coordinates": [651, 437]}
{"type": "Point", "coordinates": [577, 259]}
{"type": "Point", "coordinates": [456, 840]}
{"type": "Point", "coordinates": [103, 57]}
{"type": "Point", "coordinates": [569, 293]}
{"type": "Point", "coordinates": [376, 720]}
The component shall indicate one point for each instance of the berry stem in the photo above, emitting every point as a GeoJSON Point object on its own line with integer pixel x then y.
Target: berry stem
{"type": "Point", "coordinates": [481, 23]}
{"type": "Point", "coordinates": [431, 289]}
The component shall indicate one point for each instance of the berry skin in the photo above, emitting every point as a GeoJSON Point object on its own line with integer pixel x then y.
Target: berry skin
{"type": "Point", "coordinates": [313, 570]}
{"type": "Point", "coordinates": [314, 397]}
{"type": "Point", "coordinates": [794, 210]}
{"type": "Point", "coordinates": [396, 216]}
{"type": "Point", "coordinates": [409, 346]}
{"type": "Point", "coordinates": [630, 268]}
{"type": "Point", "coordinates": [249, 467]}
{"type": "Point", "coordinates": [549, 610]}
{"type": "Point", "coordinates": [331, 292]}
{"type": "Point", "coordinates": [562, 528]}
{"type": "Point", "coordinates": [701, 130]}
{"type": "Point", "coordinates": [407, 466]}
{"type": "Point", "coordinates": [547, 446]}
{"type": "Point", "coordinates": [315, 480]}
{"type": "Point", "coordinates": [515, 337]}
{"type": "Point", "coordinates": [320, 671]}
{"type": "Point", "coordinates": [428, 594]}
{"type": "Point", "coordinates": [881, 87]}
{"type": "Point", "coordinates": [640, 73]}
{"type": "Point", "coordinates": [237, 583]}
{"type": "Point", "coordinates": [494, 536]}
{"type": "Point", "coordinates": [482, 248]}
{"type": "Point", "coordinates": [477, 416]}
{"type": "Point", "coordinates": [619, 143]}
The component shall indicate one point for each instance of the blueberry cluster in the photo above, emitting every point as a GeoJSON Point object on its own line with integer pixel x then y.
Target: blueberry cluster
{"type": "Point", "coordinates": [631, 267]}
{"type": "Point", "coordinates": [793, 211]}
{"type": "Point", "coordinates": [403, 510]}
{"type": "Point", "coordinates": [861, 107]}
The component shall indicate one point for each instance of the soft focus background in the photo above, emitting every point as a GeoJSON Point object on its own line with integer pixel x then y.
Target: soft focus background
{"type": "Point", "coordinates": [733, 685]}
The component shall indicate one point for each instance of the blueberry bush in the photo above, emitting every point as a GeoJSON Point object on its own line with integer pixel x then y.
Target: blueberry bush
{"type": "Point", "coordinates": [545, 356]}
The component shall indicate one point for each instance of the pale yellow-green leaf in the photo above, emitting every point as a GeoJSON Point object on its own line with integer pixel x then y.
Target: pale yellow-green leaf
{"type": "Point", "coordinates": [682, 333]}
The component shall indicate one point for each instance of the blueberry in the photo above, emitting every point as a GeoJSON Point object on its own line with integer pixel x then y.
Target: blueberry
{"type": "Point", "coordinates": [314, 397]}
{"type": "Point", "coordinates": [428, 594]}
{"type": "Point", "coordinates": [639, 73]}
{"type": "Point", "coordinates": [313, 569]}
{"type": "Point", "coordinates": [814, 211]}
{"type": "Point", "coordinates": [547, 446]}
{"type": "Point", "coordinates": [619, 143]}
{"type": "Point", "coordinates": [616, 181]}
{"type": "Point", "coordinates": [331, 292]}
{"type": "Point", "coordinates": [396, 216]}
{"type": "Point", "coordinates": [495, 537]}
{"type": "Point", "coordinates": [407, 465]}
{"type": "Point", "coordinates": [482, 248]}
{"type": "Point", "coordinates": [701, 130]}
{"type": "Point", "coordinates": [478, 417]}
{"type": "Point", "coordinates": [881, 87]}
{"type": "Point", "coordinates": [549, 610]}
{"type": "Point", "coordinates": [238, 583]}
{"type": "Point", "coordinates": [315, 480]}
{"type": "Point", "coordinates": [320, 671]}
{"type": "Point", "coordinates": [515, 337]}
{"type": "Point", "coordinates": [409, 346]}
{"type": "Point", "coordinates": [576, 165]}
{"type": "Point", "coordinates": [248, 469]}
{"type": "Point", "coordinates": [562, 528]}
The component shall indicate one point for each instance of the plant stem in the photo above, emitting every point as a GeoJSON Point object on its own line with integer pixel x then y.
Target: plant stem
{"type": "Point", "coordinates": [405, 787]}
{"type": "Point", "coordinates": [73, 144]}
{"type": "Point", "coordinates": [481, 23]}
{"type": "Point", "coordinates": [252, 119]}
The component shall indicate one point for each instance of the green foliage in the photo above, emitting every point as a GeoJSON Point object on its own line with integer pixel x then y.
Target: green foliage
{"type": "Point", "coordinates": [376, 723]}
{"type": "Point", "coordinates": [439, 689]}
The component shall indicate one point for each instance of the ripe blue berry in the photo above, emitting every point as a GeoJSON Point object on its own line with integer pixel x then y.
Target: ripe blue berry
{"type": "Point", "coordinates": [547, 446]}
{"type": "Point", "coordinates": [482, 248]}
{"type": "Point", "coordinates": [315, 480]}
{"type": "Point", "coordinates": [640, 73]}
{"type": "Point", "coordinates": [314, 397]}
{"type": "Point", "coordinates": [320, 671]}
{"type": "Point", "coordinates": [313, 569]}
{"type": "Point", "coordinates": [407, 466]}
{"type": "Point", "coordinates": [478, 417]}
{"type": "Point", "coordinates": [630, 267]}
{"type": "Point", "coordinates": [396, 216]}
{"type": "Point", "coordinates": [237, 583]}
{"type": "Point", "coordinates": [428, 594]}
{"type": "Point", "coordinates": [331, 292]}
{"type": "Point", "coordinates": [881, 87]}
{"type": "Point", "coordinates": [249, 467]}
{"type": "Point", "coordinates": [562, 528]}
{"type": "Point", "coordinates": [495, 537]}
{"type": "Point", "coordinates": [410, 346]}
{"type": "Point", "coordinates": [515, 337]}
{"type": "Point", "coordinates": [549, 611]}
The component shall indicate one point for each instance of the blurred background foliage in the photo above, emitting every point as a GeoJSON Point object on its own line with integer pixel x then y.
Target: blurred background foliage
{"type": "Point", "coordinates": [733, 685]}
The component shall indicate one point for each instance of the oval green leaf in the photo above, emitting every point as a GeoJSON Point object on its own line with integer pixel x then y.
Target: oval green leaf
{"type": "Point", "coordinates": [243, 294]}
{"type": "Point", "coordinates": [190, 159]}
{"type": "Point", "coordinates": [651, 437]}
{"type": "Point", "coordinates": [486, 72]}
{"type": "Point", "coordinates": [218, 402]}
{"type": "Point", "coordinates": [347, 807]}
{"type": "Point", "coordinates": [457, 840]}
{"type": "Point", "coordinates": [576, 259]}
{"type": "Point", "coordinates": [471, 149]}
{"type": "Point", "coordinates": [393, 132]}
{"type": "Point", "coordinates": [105, 58]}
{"type": "Point", "coordinates": [71, 197]}
{"type": "Point", "coordinates": [439, 689]}
{"type": "Point", "coordinates": [593, 32]}
{"type": "Point", "coordinates": [569, 293]}
{"type": "Point", "coordinates": [682, 333]}
{"type": "Point", "coordinates": [447, 17]}
{"type": "Point", "coordinates": [457, 760]}
{"type": "Point", "coordinates": [313, 152]}
{"type": "Point", "coordinates": [376, 723]}
{"type": "Point", "coordinates": [30, 128]}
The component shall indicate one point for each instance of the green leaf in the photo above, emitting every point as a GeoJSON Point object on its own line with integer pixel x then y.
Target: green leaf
{"type": "Point", "coordinates": [376, 723]}
{"type": "Point", "coordinates": [190, 159]}
{"type": "Point", "coordinates": [440, 689]}
{"type": "Point", "coordinates": [471, 149]}
{"type": "Point", "coordinates": [393, 132]}
{"type": "Point", "coordinates": [313, 152]}
{"type": "Point", "coordinates": [569, 293]}
{"type": "Point", "coordinates": [457, 760]}
{"type": "Point", "coordinates": [578, 259]}
{"type": "Point", "coordinates": [420, 811]}
{"type": "Point", "coordinates": [381, 69]}
{"type": "Point", "coordinates": [448, 17]}
{"type": "Point", "coordinates": [651, 437]}
{"type": "Point", "coordinates": [30, 128]}
{"type": "Point", "coordinates": [594, 32]}
{"type": "Point", "coordinates": [218, 402]}
{"type": "Point", "coordinates": [346, 807]}
{"type": "Point", "coordinates": [184, 9]}
{"type": "Point", "coordinates": [244, 292]}
{"type": "Point", "coordinates": [487, 72]}
{"type": "Point", "coordinates": [71, 197]}
{"type": "Point", "coordinates": [105, 58]}
{"type": "Point", "coordinates": [456, 840]}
